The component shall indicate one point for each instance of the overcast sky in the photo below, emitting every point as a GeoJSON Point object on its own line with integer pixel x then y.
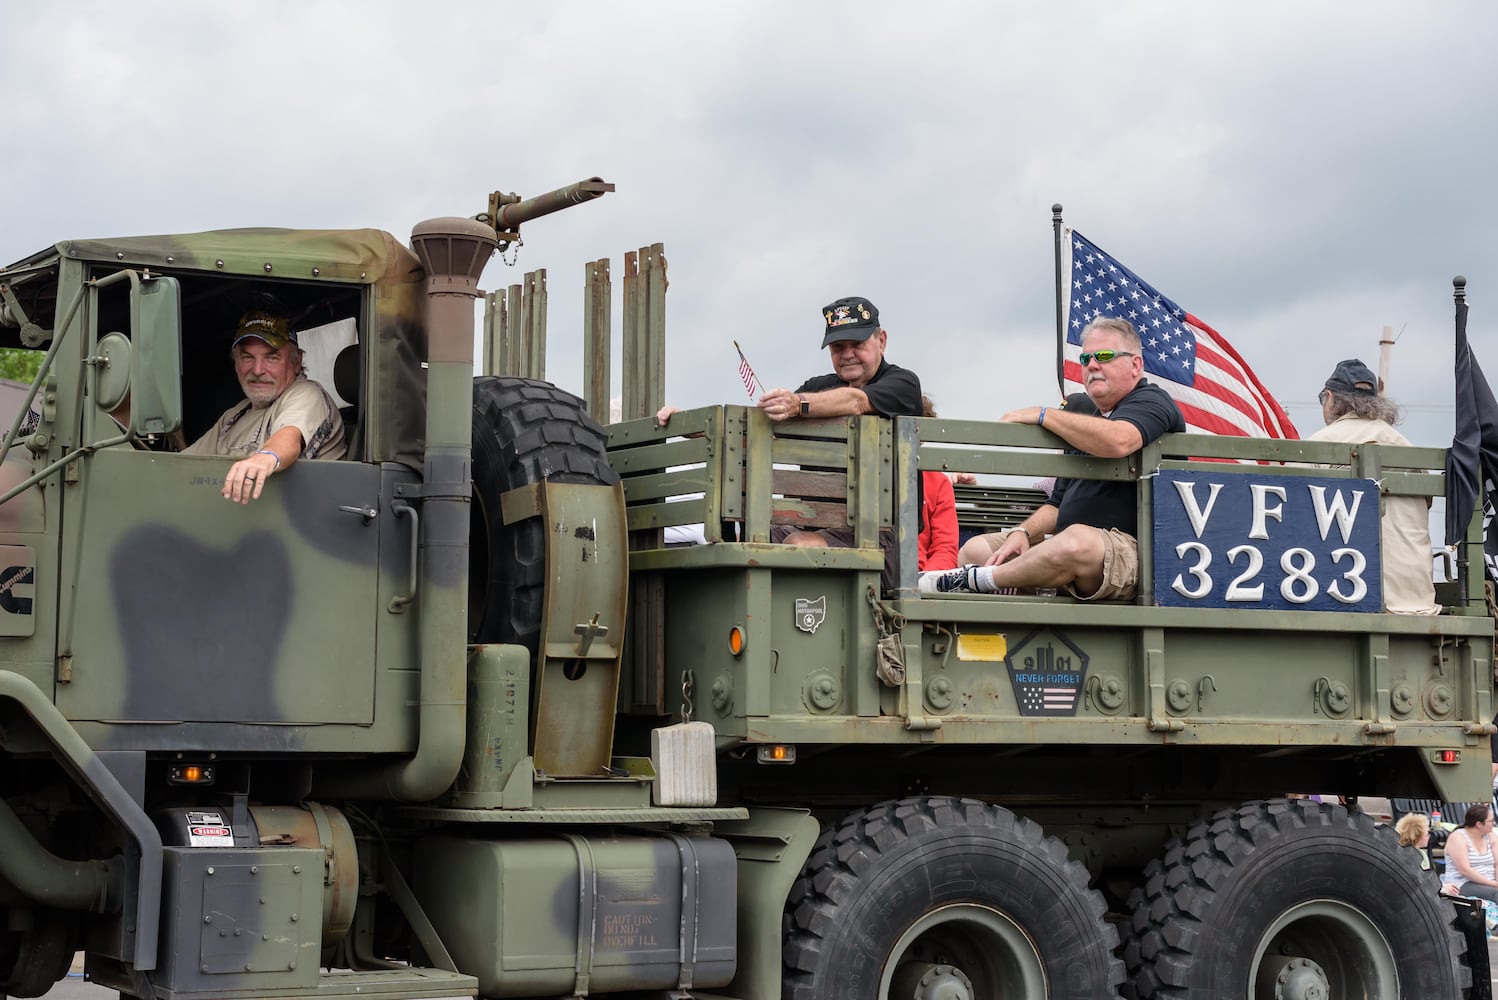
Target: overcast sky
{"type": "Point", "coordinates": [1297, 174]}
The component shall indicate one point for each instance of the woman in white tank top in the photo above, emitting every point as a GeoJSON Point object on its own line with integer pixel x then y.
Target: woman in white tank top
{"type": "Point", "coordinates": [1470, 855]}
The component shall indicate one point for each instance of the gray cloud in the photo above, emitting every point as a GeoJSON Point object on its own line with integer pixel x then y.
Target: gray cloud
{"type": "Point", "coordinates": [1297, 175]}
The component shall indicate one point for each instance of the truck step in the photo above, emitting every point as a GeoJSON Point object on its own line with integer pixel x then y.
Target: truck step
{"type": "Point", "coordinates": [343, 984]}
{"type": "Point", "coordinates": [395, 984]}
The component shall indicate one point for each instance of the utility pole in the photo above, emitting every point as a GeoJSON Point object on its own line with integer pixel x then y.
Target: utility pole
{"type": "Point", "coordinates": [1385, 346]}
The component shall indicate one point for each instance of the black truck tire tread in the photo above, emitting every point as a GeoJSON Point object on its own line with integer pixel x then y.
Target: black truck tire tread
{"type": "Point", "coordinates": [1016, 868]}
{"type": "Point", "coordinates": [1189, 918]}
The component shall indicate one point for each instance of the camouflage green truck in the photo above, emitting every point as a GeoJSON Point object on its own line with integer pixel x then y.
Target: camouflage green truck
{"type": "Point", "coordinates": [447, 717]}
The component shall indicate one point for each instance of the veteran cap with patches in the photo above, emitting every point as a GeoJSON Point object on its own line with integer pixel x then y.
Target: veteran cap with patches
{"type": "Point", "coordinates": [274, 330]}
{"type": "Point", "coordinates": [853, 318]}
{"type": "Point", "coordinates": [1353, 378]}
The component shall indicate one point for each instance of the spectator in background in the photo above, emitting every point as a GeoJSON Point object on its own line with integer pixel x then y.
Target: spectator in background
{"type": "Point", "coordinates": [1355, 412]}
{"type": "Point", "coordinates": [937, 545]}
{"type": "Point", "coordinates": [1414, 832]}
{"type": "Point", "coordinates": [1470, 853]}
{"type": "Point", "coordinates": [1493, 747]}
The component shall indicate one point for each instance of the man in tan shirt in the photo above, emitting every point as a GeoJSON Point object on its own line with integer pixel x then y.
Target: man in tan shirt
{"type": "Point", "coordinates": [1356, 412]}
{"type": "Point", "coordinates": [284, 416]}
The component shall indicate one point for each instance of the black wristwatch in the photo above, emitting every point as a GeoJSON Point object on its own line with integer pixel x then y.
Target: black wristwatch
{"type": "Point", "coordinates": [805, 406]}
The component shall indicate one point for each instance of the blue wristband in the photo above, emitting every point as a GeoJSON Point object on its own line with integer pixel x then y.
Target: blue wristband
{"type": "Point", "coordinates": [1041, 421]}
{"type": "Point", "coordinates": [267, 451]}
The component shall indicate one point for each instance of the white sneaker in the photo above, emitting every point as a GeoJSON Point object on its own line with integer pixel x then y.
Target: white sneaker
{"type": "Point", "coordinates": [962, 580]}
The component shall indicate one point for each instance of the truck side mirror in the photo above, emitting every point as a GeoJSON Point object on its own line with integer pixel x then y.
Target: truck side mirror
{"type": "Point", "coordinates": [112, 374]}
{"type": "Point", "coordinates": [156, 332]}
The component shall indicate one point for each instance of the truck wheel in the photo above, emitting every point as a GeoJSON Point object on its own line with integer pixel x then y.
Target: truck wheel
{"type": "Point", "coordinates": [1291, 898]}
{"type": "Point", "coordinates": [33, 961]}
{"type": "Point", "coordinates": [945, 897]}
{"type": "Point", "coordinates": [524, 431]}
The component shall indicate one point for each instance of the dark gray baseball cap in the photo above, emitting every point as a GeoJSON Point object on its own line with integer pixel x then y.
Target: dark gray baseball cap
{"type": "Point", "coordinates": [1353, 378]}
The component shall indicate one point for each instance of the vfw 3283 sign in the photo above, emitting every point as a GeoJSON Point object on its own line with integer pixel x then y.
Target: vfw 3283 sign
{"type": "Point", "coordinates": [1235, 540]}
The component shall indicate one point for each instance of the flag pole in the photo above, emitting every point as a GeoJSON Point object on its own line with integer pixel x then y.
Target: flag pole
{"type": "Point", "coordinates": [1060, 322]}
{"type": "Point", "coordinates": [1463, 564]}
{"type": "Point", "coordinates": [746, 372]}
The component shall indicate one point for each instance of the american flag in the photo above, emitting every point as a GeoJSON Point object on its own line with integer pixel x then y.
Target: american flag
{"type": "Point", "coordinates": [745, 372]}
{"type": "Point", "coordinates": [1035, 699]}
{"type": "Point", "coordinates": [1217, 391]}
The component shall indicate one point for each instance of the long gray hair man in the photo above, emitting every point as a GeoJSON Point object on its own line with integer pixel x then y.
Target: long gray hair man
{"type": "Point", "coordinates": [1355, 411]}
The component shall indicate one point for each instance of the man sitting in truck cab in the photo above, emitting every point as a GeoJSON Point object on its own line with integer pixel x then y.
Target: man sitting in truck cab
{"type": "Point", "coordinates": [284, 415]}
{"type": "Point", "coordinates": [1093, 553]}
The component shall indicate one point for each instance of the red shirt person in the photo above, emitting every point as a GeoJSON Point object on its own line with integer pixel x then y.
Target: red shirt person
{"type": "Point", "coordinates": [936, 545]}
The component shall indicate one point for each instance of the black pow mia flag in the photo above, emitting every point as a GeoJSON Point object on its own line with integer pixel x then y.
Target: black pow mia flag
{"type": "Point", "coordinates": [1473, 459]}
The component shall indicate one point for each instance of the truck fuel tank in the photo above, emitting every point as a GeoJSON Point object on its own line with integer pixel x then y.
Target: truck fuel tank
{"type": "Point", "coordinates": [574, 914]}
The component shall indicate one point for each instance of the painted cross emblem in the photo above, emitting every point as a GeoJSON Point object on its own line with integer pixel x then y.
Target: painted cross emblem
{"type": "Point", "coordinates": [589, 631]}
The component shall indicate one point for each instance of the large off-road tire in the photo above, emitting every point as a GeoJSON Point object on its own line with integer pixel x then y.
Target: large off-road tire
{"type": "Point", "coordinates": [524, 431]}
{"type": "Point", "coordinates": [1296, 899]}
{"type": "Point", "coordinates": [33, 961]}
{"type": "Point", "coordinates": [945, 898]}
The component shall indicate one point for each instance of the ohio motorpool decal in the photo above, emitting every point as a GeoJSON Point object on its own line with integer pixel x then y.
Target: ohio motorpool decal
{"type": "Point", "coordinates": [810, 613]}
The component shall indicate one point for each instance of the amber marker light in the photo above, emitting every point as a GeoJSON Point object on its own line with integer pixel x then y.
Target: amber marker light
{"type": "Point", "coordinates": [190, 774]}
{"type": "Point", "coordinates": [736, 640]}
{"type": "Point", "coordinates": [777, 753]}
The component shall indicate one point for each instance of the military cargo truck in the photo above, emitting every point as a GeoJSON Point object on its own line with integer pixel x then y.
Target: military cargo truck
{"type": "Point", "coordinates": [446, 717]}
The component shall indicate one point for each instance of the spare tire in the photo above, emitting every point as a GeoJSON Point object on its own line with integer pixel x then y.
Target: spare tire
{"type": "Point", "coordinates": [524, 431]}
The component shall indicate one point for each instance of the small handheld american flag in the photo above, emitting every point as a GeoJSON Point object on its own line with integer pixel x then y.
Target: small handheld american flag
{"type": "Point", "coordinates": [747, 374]}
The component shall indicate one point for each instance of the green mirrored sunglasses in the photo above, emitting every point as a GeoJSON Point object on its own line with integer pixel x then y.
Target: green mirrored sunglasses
{"type": "Point", "coordinates": [1103, 357]}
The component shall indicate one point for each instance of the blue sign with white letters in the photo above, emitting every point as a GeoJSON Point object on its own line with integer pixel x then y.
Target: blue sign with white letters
{"type": "Point", "coordinates": [1244, 540]}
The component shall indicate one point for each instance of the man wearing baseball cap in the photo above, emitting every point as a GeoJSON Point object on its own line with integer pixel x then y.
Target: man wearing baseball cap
{"type": "Point", "coordinates": [283, 417]}
{"type": "Point", "coordinates": [1356, 412]}
{"type": "Point", "coordinates": [861, 381]}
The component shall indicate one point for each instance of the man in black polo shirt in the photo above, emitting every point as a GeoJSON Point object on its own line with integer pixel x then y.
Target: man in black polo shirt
{"type": "Point", "coordinates": [1092, 553]}
{"type": "Point", "coordinates": [861, 382]}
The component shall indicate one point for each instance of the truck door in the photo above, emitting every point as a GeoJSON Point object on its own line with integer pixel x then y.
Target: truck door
{"type": "Point", "coordinates": [188, 608]}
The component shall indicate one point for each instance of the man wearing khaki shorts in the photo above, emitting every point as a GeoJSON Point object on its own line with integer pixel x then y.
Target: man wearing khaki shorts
{"type": "Point", "coordinates": [1092, 553]}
